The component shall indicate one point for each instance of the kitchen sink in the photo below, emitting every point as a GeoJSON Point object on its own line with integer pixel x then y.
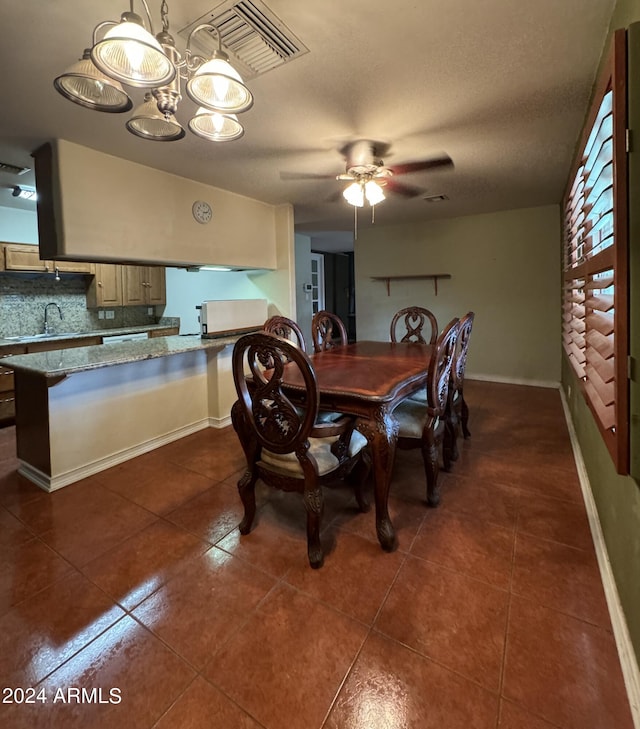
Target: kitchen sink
{"type": "Point", "coordinates": [37, 337]}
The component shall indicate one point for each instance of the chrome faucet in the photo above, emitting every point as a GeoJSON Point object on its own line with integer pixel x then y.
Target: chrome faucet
{"type": "Point", "coordinates": [46, 313]}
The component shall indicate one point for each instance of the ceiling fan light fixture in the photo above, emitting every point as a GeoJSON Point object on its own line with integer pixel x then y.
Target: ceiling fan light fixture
{"type": "Point", "coordinates": [129, 53]}
{"type": "Point", "coordinates": [84, 84]}
{"type": "Point", "coordinates": [354, 194]}
{"type": "Point", "coordinates": [148, 122]}
{"type": "Point", "coordinates": [218, 86]}
{"type": "Point", "coordinates": [373, 192]}
{"type": "Point", "coordinates": [215, 127]}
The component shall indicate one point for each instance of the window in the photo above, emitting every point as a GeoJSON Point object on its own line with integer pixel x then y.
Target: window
{"type": "Point", "coordinates": [595, 306]}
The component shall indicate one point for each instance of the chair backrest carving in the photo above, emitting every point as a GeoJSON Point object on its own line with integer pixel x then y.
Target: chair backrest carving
{"type": "Point", "coordinates": [327, 331]}
{"type": "Point", "coordinates": [286, 328]}
{"type": "Point", "coordinates": [278, 425]}
{"type": "Point", "coordinates": [415, 318]}
{"type": "Point", "coordinates": [439, 373]}
{"type": "Point", "coordinates": [462, 348]}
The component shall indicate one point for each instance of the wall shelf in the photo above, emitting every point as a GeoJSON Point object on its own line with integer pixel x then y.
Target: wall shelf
{"type": "Point", "coordinates": [389, 279]}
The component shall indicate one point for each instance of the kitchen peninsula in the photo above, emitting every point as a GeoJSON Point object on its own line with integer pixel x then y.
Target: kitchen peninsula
{"type": "Point", "coordinates": [85, 409]}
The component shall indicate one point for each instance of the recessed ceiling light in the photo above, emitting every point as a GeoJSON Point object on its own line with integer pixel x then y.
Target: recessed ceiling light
{"type": "Point", "coordinates": [26, 193]}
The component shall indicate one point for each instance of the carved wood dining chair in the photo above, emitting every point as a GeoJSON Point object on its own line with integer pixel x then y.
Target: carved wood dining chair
{"type": "Point", "coordinates": [283, 444]}
{"type": "Point", "coordinates": [327, 331]}
{"type": "Point", "coordinates": [422, 424]}
{"type": "Point", "coordinates": [415, 319]}
{"type": "Point", "coordinates": [457, 412]}
{"type": "Point", "coordinates": [286, 328]}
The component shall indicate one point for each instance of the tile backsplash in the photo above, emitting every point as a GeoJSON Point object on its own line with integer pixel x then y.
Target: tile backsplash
{"type": "Point", "coordinates": [23, 297]}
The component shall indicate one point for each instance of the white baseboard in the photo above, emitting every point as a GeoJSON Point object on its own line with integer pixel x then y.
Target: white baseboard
{"type": "Point", "coordinates": [553, 384]}
{"type": "Point", "coordinates": [220, 422]}
{"type": "Point", "coordinates": [628, 659]}
{"type": "Point", "coordinates": [53, 483]}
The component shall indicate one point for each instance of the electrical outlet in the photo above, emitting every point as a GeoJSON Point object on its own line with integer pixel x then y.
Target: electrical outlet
{"type": "Point", "coordinates": [101, 314]}
{"type": "Point", "coordinates": [150, 311]}
{"type": "Point", "coordinates": [110, 314]}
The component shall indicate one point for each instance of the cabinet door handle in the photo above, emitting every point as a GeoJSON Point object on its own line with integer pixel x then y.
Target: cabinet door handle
{"type": "Point", "coordinates": [7, 399]}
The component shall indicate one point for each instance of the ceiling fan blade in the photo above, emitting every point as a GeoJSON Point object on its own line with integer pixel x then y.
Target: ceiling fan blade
{"type": "Point", "coordinates": [399, 188]}
{"type": "Point", "coordinates": [305, 176]}
{"type": "Point", "coordinates": [425, 164]}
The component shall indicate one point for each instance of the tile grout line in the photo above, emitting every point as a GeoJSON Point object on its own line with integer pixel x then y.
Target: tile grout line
{"type": "Point", "coordinates": [628, 661]}
{"type": "Point", "coordinates": [370, 630]}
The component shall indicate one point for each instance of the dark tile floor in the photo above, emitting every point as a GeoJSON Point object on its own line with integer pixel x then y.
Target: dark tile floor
{"type": "Point", "coordinates": [136, 585]}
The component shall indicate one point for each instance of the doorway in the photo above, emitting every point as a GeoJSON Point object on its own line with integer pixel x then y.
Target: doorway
{"type": "Point", "coordinates": [317, 282]}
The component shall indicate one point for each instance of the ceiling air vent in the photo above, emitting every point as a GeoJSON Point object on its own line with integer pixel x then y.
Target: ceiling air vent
{"type": "Point", "coordinates": [256, 40]}
{"type": "Point", "coordinates": [435, 198]}
{"type": "Point", "coordinates": [13, 169]}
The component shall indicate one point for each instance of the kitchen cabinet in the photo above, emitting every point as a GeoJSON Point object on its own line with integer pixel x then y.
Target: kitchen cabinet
{"type": "Point", "coordinates": [116, 285]}
{"type": "Point", "coordinates": [53, 345]}
{"type": "Point", "coordinates": [19, 257]}
{"type": "Point", "coordinates": [24, 257]}
{"type": "Point", "coordinates": [7, 393]}
{"type": "Point", "coordinates": [70, 266]}
{"type": "Point", "coordinates": [143, 285]}
{"type": "Point", "coordinates": [166, 332]}
{"type": "Point", "coordinates": [105, 289]}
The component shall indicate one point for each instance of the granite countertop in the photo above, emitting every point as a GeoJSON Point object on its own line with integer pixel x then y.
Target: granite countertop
{"type": "Point", "coordinates": [12, 341]}
{"type": "Point", "coordinates": [60, 362]}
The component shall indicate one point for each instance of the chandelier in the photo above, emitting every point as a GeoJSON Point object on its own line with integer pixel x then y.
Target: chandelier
{"type": "Point", "coordinates": [127, 53]}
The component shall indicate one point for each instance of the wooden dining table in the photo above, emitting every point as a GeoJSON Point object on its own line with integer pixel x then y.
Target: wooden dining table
{"type": "Point", "coordinates": [368, 379]}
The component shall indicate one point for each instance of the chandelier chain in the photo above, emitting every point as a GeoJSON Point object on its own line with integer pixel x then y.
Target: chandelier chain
{"type": "Point", "coordinates": [164, 16]}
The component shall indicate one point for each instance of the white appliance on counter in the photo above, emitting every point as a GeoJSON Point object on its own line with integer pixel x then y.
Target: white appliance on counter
{"type": "Point", "coordinates": [118, 338]}
{"type": "Point", "coordinates": [230, 316]}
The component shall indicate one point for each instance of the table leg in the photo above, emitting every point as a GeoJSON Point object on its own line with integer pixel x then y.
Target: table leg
{"type": "Point", "coordinates": [382, 434]}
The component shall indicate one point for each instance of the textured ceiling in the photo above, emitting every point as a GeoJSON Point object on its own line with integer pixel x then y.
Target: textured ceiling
{"type": "Point", "coordinates": [501, 86]}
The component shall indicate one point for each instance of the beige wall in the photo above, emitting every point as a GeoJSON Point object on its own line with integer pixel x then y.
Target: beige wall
{"type": "Point", "coordinates": [108, 208]}
{"type": "Point", "coordinates": [505, 266]}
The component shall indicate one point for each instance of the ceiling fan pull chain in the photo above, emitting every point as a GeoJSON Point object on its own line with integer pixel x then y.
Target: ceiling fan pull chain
{"type": "Point", "coordinates": [355, 223]}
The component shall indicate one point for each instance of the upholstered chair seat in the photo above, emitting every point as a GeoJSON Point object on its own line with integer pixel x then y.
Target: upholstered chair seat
{"type": "Point", "coordinates": [319, 449]}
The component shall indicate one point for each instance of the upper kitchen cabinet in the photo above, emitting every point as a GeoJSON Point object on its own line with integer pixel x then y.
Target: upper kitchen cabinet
{"type": "Point", "coordinates": [115, 285]}
{"type": "Point", "coordinates": [136, 214]}
{"type": "Point", "coordinates": [24, 257]}
{"type": "Point", "coordinates": [143, 285]}
{"type": "Point", "coordinates": [105, 288]}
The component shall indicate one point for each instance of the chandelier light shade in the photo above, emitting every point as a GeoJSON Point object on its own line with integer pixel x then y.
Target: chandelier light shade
{"type": "Point", "coordinates": [149, 123]}
{"type": "Point", "coordinates": [129, 53]}
{"type": "Point", "coordinates": [86, 85]}
{"type": "Point", "coordinates": [216, 127]}
{"type": "Point", "coordinates": [218, 86]}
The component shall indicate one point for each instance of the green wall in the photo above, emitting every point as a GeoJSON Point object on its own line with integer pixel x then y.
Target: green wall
{"type": "Point", "coordinates": [504, 266]}
{"type": "Point", "coordinates": [617, 497]}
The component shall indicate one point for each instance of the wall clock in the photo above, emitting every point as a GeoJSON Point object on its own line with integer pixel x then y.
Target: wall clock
{"type": "Point", "coordinates": [202, 211]}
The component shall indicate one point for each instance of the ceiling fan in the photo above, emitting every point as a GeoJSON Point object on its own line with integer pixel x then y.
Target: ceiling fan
{"type": "Point", "coordinates": [364, 165]}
